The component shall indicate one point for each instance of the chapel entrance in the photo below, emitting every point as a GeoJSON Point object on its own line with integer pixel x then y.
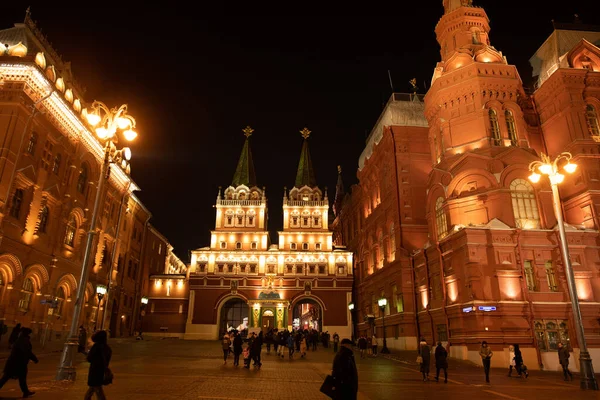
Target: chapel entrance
{"type": "Point", "coordinates": [268, 321]}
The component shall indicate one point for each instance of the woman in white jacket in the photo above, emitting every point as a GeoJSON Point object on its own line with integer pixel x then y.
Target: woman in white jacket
{"type": "Point", "coordinates": [511, 358]}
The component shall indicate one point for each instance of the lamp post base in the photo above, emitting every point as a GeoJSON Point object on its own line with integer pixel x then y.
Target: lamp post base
{"type": "Point", "coordinates": [588, 379]}
{"type": "Point", "coordinates": [66, 370]}
{"type": "Point", "coordinates": [385, 349]}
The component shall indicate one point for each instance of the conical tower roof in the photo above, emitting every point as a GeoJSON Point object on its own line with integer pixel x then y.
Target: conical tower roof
{"type": "Point", "coordinates": [244, 173]}
{"type": "Point", "coordinates": [306, 173]}
{"type": "Point", "coordinates": [339, 193]}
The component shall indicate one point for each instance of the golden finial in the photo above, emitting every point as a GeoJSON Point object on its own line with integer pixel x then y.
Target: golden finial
{"type": "Point", "coordinates": [339, 169]}
{"type": "Point", "coordinates": [305, 133]}
{"type": "Point", "coordinates": [247, 131]}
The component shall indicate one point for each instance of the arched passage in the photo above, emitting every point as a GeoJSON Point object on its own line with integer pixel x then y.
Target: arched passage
{"type": "Point", "coordinates": [234, 316]}
{"type": "Point", "coordinates": [307, 313]}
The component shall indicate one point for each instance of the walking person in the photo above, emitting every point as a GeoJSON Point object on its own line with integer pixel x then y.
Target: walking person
{"type": "Point", "coordinates": [336, 342]}
{"type": "Point", "coordinates": [290, 345]}
{"type": "Point", "coordinates": [441, 362]}
{"type": "Point", "coordinates": [303, 347]}
{"type": "Point", "coordinates": [16, 364]}
{"type": "Point", "coordinates": [256, 349]}
{"type": "Point", "coordinates": [362, 345]}
{"type": "Point", "coordinates": [369, 345]}
{"type": "Point", "coordinates": [486, 357]}
{"type": "Point", "coordinates": [82, 340]}
{"type": "Point", "coordinates": [425, 359]}
{"type": "Point", "coordinates": [225, 343]}
{"type": "Point", "coordinates": [14, 335]}
{"type": "Point", "coordinates": [344, 372]}
{"type": "Point", "coordinates": [511, 358]}
{"type": "Point", "coordinates": [99, 359]}
{"type": "Point", "coordinates": [374, 345]}
{"type": "Point", "coordinates": [237, 348]}
{"type": "Point", "coordinates": [519, 365]}
{"type": "Point", "coordinates": [563, 359]}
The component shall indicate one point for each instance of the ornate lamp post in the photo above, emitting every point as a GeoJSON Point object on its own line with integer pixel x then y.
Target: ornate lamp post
{"type": "Point", "coordinates": [107, 123]}
{"type": "Point", "coordinates": [100, 292]}
{"type": "Point", "coordinates": [553, 169]}
{"type": "Point", "coordinates": [382, 303]}
{"type": "Point", "coordinates": [142, 313]}
{"type": "Point", "coordinates": [351, 309]}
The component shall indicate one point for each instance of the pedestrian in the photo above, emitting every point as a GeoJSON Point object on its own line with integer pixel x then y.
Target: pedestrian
{"type": "Point", "coordinates": [246, 353]}
{"type": "Point", "coordinates": [344, 372]}
{"type": "Point", "coordinates": [374, 345]}
{"type": "Point", "coordinates": [441, 362]}
{"type": "Point", "coordinates": [14, 335]}
{"type": "Point", "coordinates": [237, 348]}
{"type": "Point", "coordinates": [519, 365]}
{"type": "Point", "coordinates": [336, 342]}
{"type": "Point", "coordinates": [425, 359]}
{"type": "Point", "coordinates": [362, 345]}
{"type": "Point", "coordinates": [303, 347]}
{"type": "Point", "coordinates": [225, 343]}
{"type": "Point", "coordinates": [275, 340]}
{"type": "Point", "coordinates": [99, 359]}
{"type": "Point", "coordinates": [290, 345]}
{"type": "Point", "coordinates": [82, 340]}
{"type": "Point", "coordinates": [16, 364]}
{"type": "Point", "coordinates": [369, 345]}
{"type": "Point", "coordinates": [563, 359]}
{"type": "Point", "coordinates": [269, 340]}
{"type": "Point", "coordinates": [256, 349]}
{"type": "Point", "coordinates": [511, 358]}
{"type": "Point", "coordinates": [486, 357]}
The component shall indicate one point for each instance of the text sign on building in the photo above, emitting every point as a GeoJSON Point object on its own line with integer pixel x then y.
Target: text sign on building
{"type": "Point", "coordinates": [468, 309]}
{"type": "Point", "coordinates": [487, 308]}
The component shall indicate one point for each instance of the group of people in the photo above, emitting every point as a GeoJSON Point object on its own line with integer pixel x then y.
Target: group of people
{"type": "Point", "coordinates": [21, 352]}
{"type": "Point", "coordinates": [441, 360]}
{"type": "Point", "coordinates": [367, 345]}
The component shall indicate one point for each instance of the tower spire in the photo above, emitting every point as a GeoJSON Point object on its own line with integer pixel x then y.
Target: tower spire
{"type": "Point", "coordinates": [244, 173]}
{"type": "Point", "coordinates": [306, 174]}
{"type": "Point", "coordinates": [339, 193]}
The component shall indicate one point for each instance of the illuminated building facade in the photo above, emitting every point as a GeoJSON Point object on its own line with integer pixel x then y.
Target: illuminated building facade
{"type": "Point", "coordinates": [489, 265]}
{"type": "Point", "coordinates": [243, 281]}
{"type": "Point", "coordinates": [49, 169]}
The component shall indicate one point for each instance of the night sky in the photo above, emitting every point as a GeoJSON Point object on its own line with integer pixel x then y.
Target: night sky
{"type": "Point", "coordinates": [194, 77]}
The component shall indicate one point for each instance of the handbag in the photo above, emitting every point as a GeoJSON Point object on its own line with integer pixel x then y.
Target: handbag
{"type": "Point", "coordinates": [328, 386]}
{"type": "Point", "coordinates": [419, 360]}
{"type": "Point", "coordinates": [108, 377]}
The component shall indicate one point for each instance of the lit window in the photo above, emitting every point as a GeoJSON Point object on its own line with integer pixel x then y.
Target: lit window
{"type": "Point", "coordinates": [317, 246]}
{"type": "Point", "coordinates": [511, 127]}
{"type": "Point", "coordinates": [495, 128]}
{"type": "Point", "coordinates": [47, 156]}
{"type": "Point", "coordinates": [551, 277]}
{"type": "Point", "coordinates": [317, 222]}
{"type": "Point", "coordinates": [82, 180]}
{"type": "Point", "coordinates": [440, 218]}
{"type": "Point", "coordinates": [56, 165]}
{"type": "Point", "coordinates": [398, 299]}
{"type": "Point", "coordinates": [530, 275]}
{"type": "Point", "coordinates": [551, 332]}
{"type": "Point", "coordinates": [293, 246]}
{"type": "Point", "coordinates": [592, 120]}
{"type": "Point", "coordinates": [26, 294]}
{"type": "Point", "coordinates": [44, 214]}
{"type": "Point", "coordinates": [32, 143]}
{"type": "Point", "coordinates": [392, 255]}
{"type": "Point", "coordinates": [223, 245]}
{"type": "Point", "coordinates": [17, 201]}
{"type": "Point", "coordinates": [60, 299]}
{"type": "Point", "coordinates": [524, 205]}
{"type": "Point", "coordinates": [70, 231]}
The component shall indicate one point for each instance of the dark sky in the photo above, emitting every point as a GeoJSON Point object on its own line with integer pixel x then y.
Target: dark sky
{"type": "Point", "coordinates": [194, 77]}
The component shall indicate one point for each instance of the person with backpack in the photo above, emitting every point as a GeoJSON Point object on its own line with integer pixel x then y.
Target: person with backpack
{"type": "Point", "coordinates": [99, 358]}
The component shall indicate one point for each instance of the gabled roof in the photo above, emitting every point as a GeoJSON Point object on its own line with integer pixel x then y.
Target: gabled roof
{"type": "Point", "coordinates": [306, 173]}
{"type": "Point", "coordinates": [244, 173]}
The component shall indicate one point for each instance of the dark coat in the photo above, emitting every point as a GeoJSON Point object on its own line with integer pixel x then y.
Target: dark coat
{"type": "Point", "coordinates": [345, 374]}
{"type": "Point", "coordinates": [237, 344]}
{"type": "Point", "coordinates": [518, 356]}
{"type": "Point", "coordinates": [563, 356]}
{"type": "Point", "coordinates": [99, 358]}
{"type": "Point", "coordinates": [14, 334]}
{"type": "Point", "coordinates": [441, 357]}
{"type": "Point", "coordinates": [426, 354]}
{"type": "Point", "coordinates": [21, 353]}
{"type": "Point", "coordinates": [82, 339]}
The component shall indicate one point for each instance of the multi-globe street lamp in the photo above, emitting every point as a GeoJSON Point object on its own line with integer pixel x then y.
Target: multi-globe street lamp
{"type": "Point", "coordinates": [382, 304]}
{"type": "Point", "coordinates": [555, 169]}
{"type": "Point", "coordinates": [107, 122]}
{"type": "Point", "coordinates": [100, 292]}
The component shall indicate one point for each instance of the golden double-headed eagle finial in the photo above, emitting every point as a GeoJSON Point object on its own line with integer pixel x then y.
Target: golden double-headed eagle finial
{"type": "Point", "coordinates": [247, 131]}
{"type": "Point", "coordinates": [305, 133]}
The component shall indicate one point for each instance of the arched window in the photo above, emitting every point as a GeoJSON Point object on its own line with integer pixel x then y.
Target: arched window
{"type": "Point", "coordinates": [524, 204]}
{"type": "Point", "coordinates": [380, 253]}
{"type": "Point", "coordinates": [33, 139]}
{"type": "Point", "coordinates": [239, 218]}
{"type": "Point", "coordinates": [83, 178]}
{"type": "Point", "coordinates": [511, 127]}
{"type": "Point", "coordinates": [250, 217]}
{"type": "Point", "coordinates": [70, 232]}
{"type": "Point", "coordinates": [441, 223]}
{"type": "Point", "coordinates": [60, 300]}
{"type": "Point", "coordinates": [392, 243]}
{"type": "Point", "coordinates": [44, 214]}
{"type": "Point", "coordinates": [495, 128]}
{"type": "Point", "coordinates": [592, 120]}
{"type": "Point", "coordinates": [56, 165]}
{"type": "Point", "coordinates": [26, 294]}
{"type": "Point", "coordinates": [229, 218]}
{"type": "Point", "coordinates": [17, 201]}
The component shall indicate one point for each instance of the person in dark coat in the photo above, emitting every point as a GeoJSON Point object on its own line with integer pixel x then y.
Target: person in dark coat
{"type": "Point", "coordinates": [256, 349]}
{"type": "Point", "coordinates": [14, 335]}
{"type": "Point", "coordinates": [519, 366]}
{"type": "Point", "coordinates": [344, 372]}
{"type": "Point", "coordinates": [99, 359]}
{"type": "Point", "coordinates": [82, 340]}
{"type": "Point", "coordinates": [237, 348]}
{"type": "Point", "coordinates": [563, 359]}
{"type": "Point", "coordinates": [426, 356]}
{"type": "Point", "coordinates": [16, 364]}
{"type": "Point", "coordinates": [441, 362]}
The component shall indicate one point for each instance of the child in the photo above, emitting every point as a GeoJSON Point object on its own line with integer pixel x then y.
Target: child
{"type": "Point", "coordinates": [246, 354]}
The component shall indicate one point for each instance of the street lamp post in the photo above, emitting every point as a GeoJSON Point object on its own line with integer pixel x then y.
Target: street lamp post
{"type": "Point", "coordinates": [100, 291]}
{"type": "Point", "coordinates": [382, 303]}
{"type": "Point", "coordinates": [553, 169]}
{"type": "Point", "coordinates": [142, 314]}
{"type": "Point", "coordinates": [107, 122]}
{"type": "Point", "coordinates": [351, 309]}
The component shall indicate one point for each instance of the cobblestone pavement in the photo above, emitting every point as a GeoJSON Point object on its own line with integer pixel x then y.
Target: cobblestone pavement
{"type": "Point", "coordinates": [175, 369]}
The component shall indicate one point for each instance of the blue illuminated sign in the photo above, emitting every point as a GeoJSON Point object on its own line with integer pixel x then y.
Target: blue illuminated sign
{"type": "Point", "coordinates": [468, 309]}
{"type": "Point", "coordinates": [487, 308]}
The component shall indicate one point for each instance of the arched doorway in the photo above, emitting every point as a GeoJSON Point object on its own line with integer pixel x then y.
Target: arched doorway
{"type": "Point", "coordinates": [234, 316]}
{"type": "Point", "coordinates": [268, 321]}
{"type": "Point", "coordinates": [307, 314]}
